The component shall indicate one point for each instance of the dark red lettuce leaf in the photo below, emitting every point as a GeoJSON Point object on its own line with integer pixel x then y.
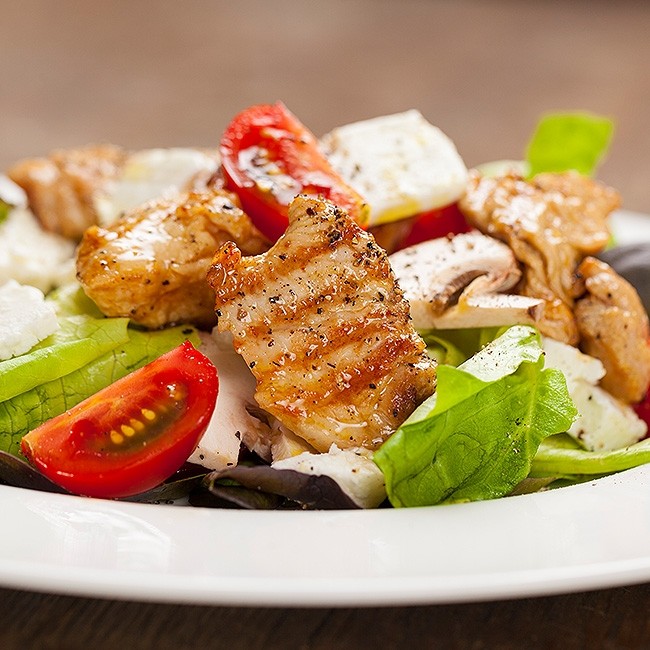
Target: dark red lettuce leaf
{"type": "Point", "coordinates": [295, 489]}
{"type": "Point", "coordinates": [18, 473]}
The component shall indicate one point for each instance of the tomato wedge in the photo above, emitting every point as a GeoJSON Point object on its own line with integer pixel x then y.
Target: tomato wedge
{"type": "Point", "coordinates": [268, 157]}
{"type": "Point", "coordinates": [436, 223]}
{"type": "Point", "coordinates": [132, 435]}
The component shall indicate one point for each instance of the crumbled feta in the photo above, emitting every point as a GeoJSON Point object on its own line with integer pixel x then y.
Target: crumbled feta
{"type": "Point", "coordinates": [25, 319]}
{"type": "Point", "coordinates": [151, 174]}
{"type": "Point", "coordinates": [401, 164]}
{"type": "Point", "coordinates": [30, 255]}
{"type": "Point", "coordinates": [11, 194]}
{"type": "Point", "coordinates": [604, 423]}
{"type": "Point", "coordinates": [356, 473]}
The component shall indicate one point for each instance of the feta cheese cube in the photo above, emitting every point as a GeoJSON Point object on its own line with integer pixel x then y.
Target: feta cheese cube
{"type": "Point", "coordinates": [30, 255]}
{"type": "Point", "coordinates": [150, 174]}
{"type": "Point", "coordinates": [401, 164]}
{"type": "Point", "coordinates": [25, 319]}
{"type": "Point", "coordinates": [604, 423]}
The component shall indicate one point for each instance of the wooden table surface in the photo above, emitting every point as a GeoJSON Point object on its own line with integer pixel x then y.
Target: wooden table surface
{"type": "Point", "coordinates": [170, 73]}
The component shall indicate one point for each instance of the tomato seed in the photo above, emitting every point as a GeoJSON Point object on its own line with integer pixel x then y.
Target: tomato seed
{"type": "Point", "coordinates": [117, 438]}
{"type": "Point", "coordinates": [127, 430]}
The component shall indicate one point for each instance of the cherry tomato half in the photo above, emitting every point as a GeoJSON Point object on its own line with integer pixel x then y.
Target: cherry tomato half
{"type": "Point", "coordinates": [440, 222]}
{"type": "Point", "coordinates": [436, 223]}
{"type": "Point", "coordinates": [268, 157]}
{"type": "Point", "coordinates": [132, 435]}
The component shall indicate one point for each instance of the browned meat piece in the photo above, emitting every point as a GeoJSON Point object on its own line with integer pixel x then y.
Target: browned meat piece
{"type": "Point", "coordinates": [551, 223]}
{"type": "Point", "coordinates": [325, 329]}
{"type": "Point", "coordinates": [614, 328]}
{"type": "Point", "coordinates": [61, 188]}
{"type": "Point", "coordinates": [150, 266]}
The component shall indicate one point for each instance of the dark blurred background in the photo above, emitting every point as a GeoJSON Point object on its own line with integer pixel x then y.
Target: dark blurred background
{"type": "Point", "coordinates": [144, 74]}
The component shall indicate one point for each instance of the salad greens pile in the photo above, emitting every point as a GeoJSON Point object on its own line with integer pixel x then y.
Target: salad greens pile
{"type": "Point", "coordinates": [495, 426]}
{"type": "Point", "coordinates": [475, 438]}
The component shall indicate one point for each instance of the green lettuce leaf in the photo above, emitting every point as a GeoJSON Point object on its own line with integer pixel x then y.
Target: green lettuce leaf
{"type": "Point", "coordinates": [28, 410]}
{"type": "Point", "coordinates": [4, 211]}
{"type": "Point", "coordinates": [569, 141]}
{"type": "Point", "coordinates": [452, 347]}
{"type": "Point", "coordinates": [561, 457]}
{"type": "Point", "coordinates": [476, 437]}
{"type": "Point", "coordinates": [70, 300]}
{"type": "Point", "coordinates": [78, 341]}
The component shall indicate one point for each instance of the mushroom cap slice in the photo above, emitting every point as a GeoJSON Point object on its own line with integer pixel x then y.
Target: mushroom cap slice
{"type": "Point", "coordinates": [460, 281]}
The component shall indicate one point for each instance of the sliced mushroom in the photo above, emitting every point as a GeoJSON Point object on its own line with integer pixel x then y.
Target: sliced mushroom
{"type": "Point", "coordinates": [231, 423]}
{"type": "Point", "coordinates": [457, 282]}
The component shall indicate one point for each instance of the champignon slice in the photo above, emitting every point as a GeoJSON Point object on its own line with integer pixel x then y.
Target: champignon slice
{"type": "Point", "coordinates": [232, 423]}
{"type": "Point", "coordinates": [460, 281]}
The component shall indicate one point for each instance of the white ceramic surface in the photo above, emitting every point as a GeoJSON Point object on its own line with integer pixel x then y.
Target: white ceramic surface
{"type": "Point", "coordinates": [583, 537]}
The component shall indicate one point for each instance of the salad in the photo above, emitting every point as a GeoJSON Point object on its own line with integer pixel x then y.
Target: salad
{"type": "Point", "coordinates": [351, 321]}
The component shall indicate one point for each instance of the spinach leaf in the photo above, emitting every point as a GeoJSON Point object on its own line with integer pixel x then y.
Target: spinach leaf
{"type": "Point", "coordinates": [476, 437]}
{"type": "Point", "coordinates": [565, 141]}
{"type": "Point", "coordinates": [557, 456]}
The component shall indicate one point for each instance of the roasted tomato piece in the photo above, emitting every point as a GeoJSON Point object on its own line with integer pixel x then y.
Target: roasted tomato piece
{"type": "Point", "coordinates": [440, 222]}
{"type": "Point", "coordinates": [132, 435]}
{"type": "Point", "coordinates": [436, 223]}
{"type": "Point", "coordinates": [268, 157]}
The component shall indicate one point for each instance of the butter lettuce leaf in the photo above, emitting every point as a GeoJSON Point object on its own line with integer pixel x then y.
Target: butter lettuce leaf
{"type": "Point", "coordinates": [560, 456]}
{"type": "Point", "coordinates": [453, 347]}
{"type": "Point", "coordinates": [78, 341]}
{"type": "Point", "coordinates": [71, 300]}
{"type": "Point", "coordinates": [5, 208]}
{"type": "Point", "coordinates": [476, 437]}
{"type": "Point", "coordinates": [569, 141]}
{"type": "Point", "coordinates": [28, 410]}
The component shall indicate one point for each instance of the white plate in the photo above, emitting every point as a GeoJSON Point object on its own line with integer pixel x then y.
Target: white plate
{"type": "Point", "coordinates": [587, 536]}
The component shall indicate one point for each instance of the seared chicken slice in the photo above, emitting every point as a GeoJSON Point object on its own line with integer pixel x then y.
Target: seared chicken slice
{"type": "Point", "coordinates": [150, 265]}
{"type": "Point", "coordinates": [61, 188]}
{"type": "Point", "coordinates": [460, 282]}
{"type": "Point", "coordinates": [551, 223]}
{"type": "Point", "coordinates": [324, 327]}
{"type": "Point", "coordinates": [614, 328]}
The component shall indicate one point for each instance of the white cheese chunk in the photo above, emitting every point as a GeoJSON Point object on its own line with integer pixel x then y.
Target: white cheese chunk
{"type": "Point", "coordinates": [29, 255]}
{"type": "Point", "coordinates": [604, 423]}
{"type": "Point", "coordinates": [151, 174]}
{"type": "Point", "coordinates": [25, 319]}
{"type": "Point", "coordinates": [12, 194]}
{"type": "Point", "coordinates": [231, 422]}
{"type": "Point", "coordinates": [354, 472]}
{"type": "Point", "coordinates": [401, 164]}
